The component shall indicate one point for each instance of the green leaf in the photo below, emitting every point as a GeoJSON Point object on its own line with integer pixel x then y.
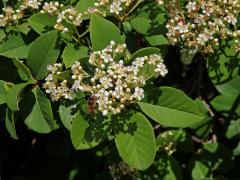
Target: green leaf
{"type": "Point", "coordinates": [14, 46]}
{"type": "Point", "coordinates": [67, 113]}
{"type": "Point", "coordinates": [42, 23]}
{"type": "Point", "coordinates": [145, 52]}
{"type": "Point", "coordinates": [23, 71]}
{"type": "Point", "coordinates": [83, 5]}
{"type": "Point", "coordinates": [225, 104]}
{"type": "Point", "coordinates": [164, 168]}
{"type": "Point", "coordinates": [157, 40]}
{"type": "Point", "coordinates": [14, 95]}
{"type": "Point", "coordinates": [236, 151]}
{"type": "Point", "coordinates": [199, 169]}
{"type": "Point", "coordinates": [43, 51]}
{"type": "Point", "coordinates": [80, 133]}
{"type": "Point", "coordinates": [171, 108]}
{"type": "Point", "coordinates": [10, 123]}
{"type": "Point", "coordinates": [224, 64]}
{"type": "Point", "coordinates": [4, 88]}
{"type": "Point", "coordinates": [72, 53]}
{"type": "Point", "coordinates": [24, 28]}
{"type": "Point", "coordinates": [141, 25]}
{"type": "Point", "coordinates": [203, 129]}
{"type": "Point", "coordinates": [233, 129]}
{"type": "Point", "coordinates": [38, 112]}
{"type": "Point", "coordinates": [150, 19]}
{"type": "Point", "coordinates": [231, 88]}
{"type": "Point", "coordinates": [102, 32]}
{"type": "Point", "coordinates": [137, 147]}
{"type": "Point", "coordinates": [2, 35]}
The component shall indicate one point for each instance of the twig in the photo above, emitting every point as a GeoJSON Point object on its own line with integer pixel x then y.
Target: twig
{"type": "Point", "coordinates": [197, 140]}
{"type": "Point", "coordinates": [211, 113]}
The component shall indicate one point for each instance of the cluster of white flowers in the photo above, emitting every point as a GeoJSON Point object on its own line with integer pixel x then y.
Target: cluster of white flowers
{"type": "Point", "coordinates": [168, 142]}
{"type": "Point", "coordinates": [56, 88]}
{"type": "Point", "coordinates": [64, 15]}
{"type": "Point", "coordinates": [30, 4]}
{"type": "Point", "coordinates": [51, 7]}
{"type": "Point", "coordinates": [69, 15]}
{"type": "Point", "coordinates": [114, 84]}
{"type": "Point", "coordinates": [119, 8]}
{"type": "Point", "coordinates": [78, 75]}
{"type": "Point", "coordinates": [10, 16]}
{"type": "Point", "coordinates": [204, 23]}
{"type": "Point", "coordinates": [114, 6]}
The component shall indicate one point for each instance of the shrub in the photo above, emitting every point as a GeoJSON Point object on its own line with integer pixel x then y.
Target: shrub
{"type": "Point", "coordinates": [114, 89]}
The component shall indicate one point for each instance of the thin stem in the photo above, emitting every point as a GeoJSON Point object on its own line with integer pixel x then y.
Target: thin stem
{"type": "Point", "coordinates": [131, 10]}
{"type": "Point", "coordinates": [75, 39]}
{"type": "Point", "coordinates": [84, 33]}
{"type": "Point", "coordinates": [77, 33]}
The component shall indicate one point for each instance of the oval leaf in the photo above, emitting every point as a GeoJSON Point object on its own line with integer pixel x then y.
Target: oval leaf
{"type": "Point", "coordinates": [14, 46]}
{"type": "Point", "coordinates": [42, 23]}
{"type": "Point", "coordinates": [224, 64]}
{"type": "Point", "coordinates": [67, 113]}
{"type": "Point", "coordinates": [10, 123]}
{"type": "Point", "coordinates": [14, 94]}
{"type": "Point", "coordinates": [79, 134]}
{"type": "Point", "coordinates": [83, 5]}
{"type": "Point", "coordinates": [72, 54]}
{"type": "Point", "coordinates": [43, 51]}
{"type": "Point", "coordinates": [102, 32]}
{"type": "Point", "coordinates": [144, 52]}
{"type": "Point", "coordinates": [39, 116]}
{"type": "Point", "coordinates": [172, 108]}
{"type": "Point", "coordinates": [23, 71]}
{"type": "Point", "coordinates": [137, 148]}
{"type": "Point", "coordinates": [4, 88]}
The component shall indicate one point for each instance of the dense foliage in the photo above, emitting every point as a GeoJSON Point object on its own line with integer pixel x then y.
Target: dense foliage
{"type": "Point", "coordinates": [120, 89]}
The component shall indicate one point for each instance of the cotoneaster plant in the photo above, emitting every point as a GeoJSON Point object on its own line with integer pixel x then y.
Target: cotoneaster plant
{"type": "Point", "coordinates": [93, 67]}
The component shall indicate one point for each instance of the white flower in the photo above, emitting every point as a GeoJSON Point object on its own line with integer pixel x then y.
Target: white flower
{"type": "Point", "coordinates": [191, 6]}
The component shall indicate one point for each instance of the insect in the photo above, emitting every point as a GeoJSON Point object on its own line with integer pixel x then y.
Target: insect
{"type": "Point", "coordinates": [92, 104]}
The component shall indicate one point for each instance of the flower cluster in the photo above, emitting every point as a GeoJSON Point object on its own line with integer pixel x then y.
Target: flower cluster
{"type": "Point", "coordinates": [119, 8]}
{"type": "Point", "coordinates": [10, 15]}
{"type": "Point", "coordinates": [56, 88]}
{"type": "Point", "coordinates": [168, 142]}
{"type": "Point", "coordinates": [30, 4]}
{"type": "Point", "coordinates": [203, 24]}
{"type": "Point", "coordinates": [114, 6]}
{"type": "Point", "coordinates": [114, 84]}
{"type": "Point", "coordinates": [64, 15]}
{"type": "Point", "coordinates": [54, 8]}
{"type": "Point", "coordinates": [121, 169]}
{"type": "Point", "coordinates": [51, 7]}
